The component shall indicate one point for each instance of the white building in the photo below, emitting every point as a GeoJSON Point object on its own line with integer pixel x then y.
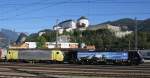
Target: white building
{"type": "Point", "coordinates": [61, 45]}
{"type": "Point", "coordinates": [50, 44]}
{"type": "Point", "coordinates": [41, 33]}
{"type": "Point", "coordinates": [105, 26]}
{"type": "Point", "coordinates": [56, 27]}
{"type": "Point", "coordinates": [67, 25]}
{"type": "Point", "coordinates": [112, 28]}
{"type": "Point", "coordinates": [117, 30]}
{"type": "Point", "coordinates": [62, 42]}
{"type": "Point", "coordinates": [121, 34]}
{"type": "Point", "coordinates": [31, 44]}
{"type": "Point", "coordinates": [82, 23]}
{"type": "Point", "coordinates": [63, 39]}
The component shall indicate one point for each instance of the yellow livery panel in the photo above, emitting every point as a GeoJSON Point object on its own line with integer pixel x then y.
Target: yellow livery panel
{"type": "Point", "coordinates": [57, 55]}
{"type": "Point", "coordinates": [12, 54]}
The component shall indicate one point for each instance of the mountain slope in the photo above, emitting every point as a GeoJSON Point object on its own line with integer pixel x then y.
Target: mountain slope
{"type": "Point", "coordinates": [143, 25]}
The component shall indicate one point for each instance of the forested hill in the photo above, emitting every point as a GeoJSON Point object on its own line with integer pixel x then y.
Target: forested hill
{"type": "Point", "coordinates": [143, 25]}
{"type": "Point", "coordinates": [102, 38]}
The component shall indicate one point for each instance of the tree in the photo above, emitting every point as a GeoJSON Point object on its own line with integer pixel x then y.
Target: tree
{"type": "Point", "coordinates": [50, 36]}
{"type": "Point", "coordinates": [102, 38]}
{"type": "Point", "coordinates": [32, 37]}
{"type": "Point", "coordinates": [41, 42]}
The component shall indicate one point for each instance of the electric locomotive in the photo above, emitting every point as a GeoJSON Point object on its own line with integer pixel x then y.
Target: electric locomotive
{"type": "Point", "coordinates": [109, 57]}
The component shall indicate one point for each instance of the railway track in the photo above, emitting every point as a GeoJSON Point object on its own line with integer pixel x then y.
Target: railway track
{"type": "Point", "coordinates": [26, 70]}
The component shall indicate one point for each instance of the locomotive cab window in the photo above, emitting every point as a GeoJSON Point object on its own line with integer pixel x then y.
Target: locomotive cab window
{"type": "Point", "coordinates": [148, 54]}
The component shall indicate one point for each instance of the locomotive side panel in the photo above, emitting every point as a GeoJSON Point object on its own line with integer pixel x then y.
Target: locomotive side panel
{"type": "Point", "coordinates": [106, 55]}
{"type": "Point", "coordinates": [34, 54]}
{"type": "Point", "coordinates": [102, 57]}
{"type": "Point", "coordinates": [135, 58]}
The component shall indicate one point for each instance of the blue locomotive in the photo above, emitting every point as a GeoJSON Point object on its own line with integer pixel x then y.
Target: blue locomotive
{"type": "Point", "coordinates": [109, 57]}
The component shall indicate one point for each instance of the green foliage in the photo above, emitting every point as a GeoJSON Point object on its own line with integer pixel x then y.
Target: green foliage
{"type": "Point", "coordinates": [105, 39]}
{"type": "Point", "coordinates": [32, 37]}
{"type": "Point", "coordinates": [50, 36]}
{"type": "Point", "coordinates": [41, 42]}
{"type": "Point", "coordinates": [102, 39]}
{"type": "Point", "coordinates": [144, 40]}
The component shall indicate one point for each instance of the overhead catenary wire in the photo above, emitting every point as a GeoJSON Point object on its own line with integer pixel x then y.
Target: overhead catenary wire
{"type": "Point", "coordinates": [36, 9]}
{"type": "Point", "coordinates": [76, 2]}
{"type": "Point", "coordinates": [52, 4]}
{"type": "Point", "coordinates": [74, 15]}
{"type": "Point", "coordinates": [22, 7]}
{"type": "Point", "coordinates": [79, 2]}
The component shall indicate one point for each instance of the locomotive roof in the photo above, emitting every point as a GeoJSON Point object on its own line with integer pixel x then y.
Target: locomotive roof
{"type": "Point", "coordinates": [73, 49]}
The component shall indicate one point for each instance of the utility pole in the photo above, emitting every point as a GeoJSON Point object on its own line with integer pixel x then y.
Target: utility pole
{"type": "Point", "coordinates": [136, 34]}
{"type": "Point", "coordinates": [57, 33]}
{"type": "Point", "coordinates": [129, 45]}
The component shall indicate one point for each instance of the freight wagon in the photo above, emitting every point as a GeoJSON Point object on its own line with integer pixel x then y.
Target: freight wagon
{"type": "Point", "coordinates": [35, 55]}
{"type": "Point", "coordinates": [3, 54]}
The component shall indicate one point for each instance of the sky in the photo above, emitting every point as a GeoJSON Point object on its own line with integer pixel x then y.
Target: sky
{"type": "Point", "coordinates": [30, 16]}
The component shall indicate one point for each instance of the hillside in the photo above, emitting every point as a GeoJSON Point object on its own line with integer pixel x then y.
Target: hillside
{"type": "Point", "coordinates": [143, 25]}
{"type": "Point", "coordinates": [9, 34]}
{"type": "Point", "coordinates": [103, 38]}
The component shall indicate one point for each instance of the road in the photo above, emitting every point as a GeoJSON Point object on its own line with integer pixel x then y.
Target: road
{"type": "Point", "coordinates": [26, 70]}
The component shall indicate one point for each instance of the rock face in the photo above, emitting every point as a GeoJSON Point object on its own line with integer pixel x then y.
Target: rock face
{"type": "Point", "coordinates": [3, 40]}
{"type": "Point", "coordinates": [7, 36]}
{"type": "Point", "coordinates": [21, 39]}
